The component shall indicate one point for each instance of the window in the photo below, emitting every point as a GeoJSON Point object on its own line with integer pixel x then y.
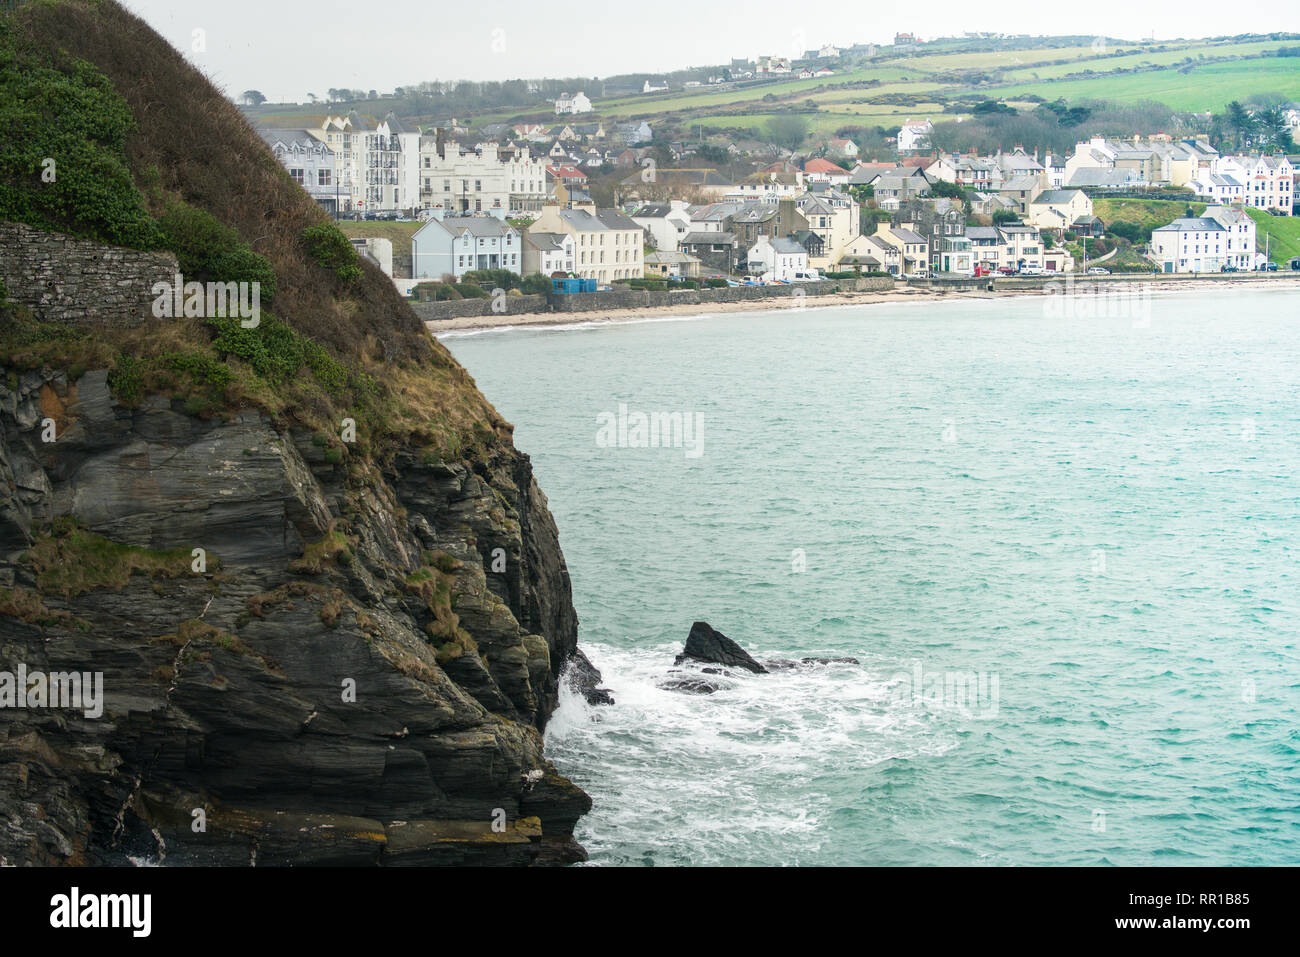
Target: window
{"type": "Point", "coordinates": [297, 176]}
{"type": "Point", "coordinates": [324, 177]}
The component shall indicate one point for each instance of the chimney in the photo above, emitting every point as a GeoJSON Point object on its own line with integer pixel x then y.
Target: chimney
{"type": "Point", "coordinates": [441, 142]}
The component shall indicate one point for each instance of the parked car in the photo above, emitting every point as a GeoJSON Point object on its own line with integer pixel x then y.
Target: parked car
{"type": "Point", "coordinates": [1033, 271]}
{"type": "Point", "coordinates": [1098, 271]}
{"type": "Point", "coordinates": [1266, 267]}
{"type": "Point", "coordinates": [1006, 270]}
{"type": "Point", "coordinates": [1229, 269]}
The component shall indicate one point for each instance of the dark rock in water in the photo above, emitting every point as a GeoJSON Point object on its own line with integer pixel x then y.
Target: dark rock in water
{"type": "Point", "coordinates": [690, 685]}
{"type": "Point", "coordinates": [786, 664]}
{"type": "Point", "coordinates": [707, 645]}
{"type": "Point", "coordinates": [584, 677]}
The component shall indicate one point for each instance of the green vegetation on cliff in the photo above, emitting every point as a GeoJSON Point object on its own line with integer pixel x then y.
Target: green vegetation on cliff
{"type": "Point", "coordinates": [63, 163]}
{"type": "Point", "coordinates": [135, 165]}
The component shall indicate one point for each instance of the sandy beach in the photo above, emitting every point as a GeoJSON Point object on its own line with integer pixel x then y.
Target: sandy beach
{"type": "Point", "coordinates": [900, 294]}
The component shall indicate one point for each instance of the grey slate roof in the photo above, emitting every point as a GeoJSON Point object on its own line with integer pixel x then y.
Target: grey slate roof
{"type": "Point", "coordinates": [1054, 196]}
{"type": "Point", "coordinates": [1192, 224]}
{"type": "Point", "coordinates": [701, 239]}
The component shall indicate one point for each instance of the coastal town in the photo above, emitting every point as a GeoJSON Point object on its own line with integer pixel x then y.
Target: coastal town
{"type": "Point", "coordinates": [606, 205]}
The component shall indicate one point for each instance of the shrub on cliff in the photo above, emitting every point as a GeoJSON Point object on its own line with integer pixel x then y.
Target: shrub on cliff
{"type": "Point", "coordinates": [277, 352]}
{"type": "Point", "coordinates": [331, 249]}
{"type": "Point", "coordinates": [63, 164]}
{"type": "Point", "coordinates": [209, 251]}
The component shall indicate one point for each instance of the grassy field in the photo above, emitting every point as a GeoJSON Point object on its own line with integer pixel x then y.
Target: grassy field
{"type": "Point", "coordinates": [709, 97]}
{"type": "Point", "coordinates": [1204, 83]}
{"type": "Point", "coordinates": [1207, 87]}
{"type": "Point", "coordinates": [1109, 64]}
{"type": "Point", "coordinates": [399, 233]}
{"type": "Point", "coordinates": [1185, 75]}
{"type": "Point", "coordinates": [1283, 232]}
{"type": "Point", "coordinates": [824, 124]}
{"type": "Point", "coordinates": [995, 59]}
{"type": "Point", "coordinates": [1147, 213]}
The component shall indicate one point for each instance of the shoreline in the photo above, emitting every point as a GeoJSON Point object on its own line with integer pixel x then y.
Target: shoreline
{"type": "Point", "coordinates": [774, 304]}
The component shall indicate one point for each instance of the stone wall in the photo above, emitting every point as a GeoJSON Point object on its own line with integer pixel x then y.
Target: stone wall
{"type": "Point", "coordinates": [62, 279]}
{"type": "Point", "coordinates": [867, 284]}
{"type": "Point", "coordinates": [458, 308]}
{"type": "Point", "coordinates": [646, 299]}
{"type": "Point", "coordinates": [649, 299]}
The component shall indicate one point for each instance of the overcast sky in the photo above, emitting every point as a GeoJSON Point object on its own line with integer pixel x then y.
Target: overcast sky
{"type": "Point", "coordinates": [287, 48]}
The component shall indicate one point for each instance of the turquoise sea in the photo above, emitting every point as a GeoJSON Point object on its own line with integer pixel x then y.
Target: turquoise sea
{"type": "Point", "coordinates": [1096, 517]}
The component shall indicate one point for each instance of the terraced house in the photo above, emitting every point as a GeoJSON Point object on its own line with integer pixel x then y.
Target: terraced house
{"type": "Point", "coordinates": [486, 179]}
{"type": "Point", "coordinates": [1221, 238]}
{"type": "Point", "coordinates": [379, 162]}
{"type": "Point", "coordinates": [1268, 181]}
{"type": "Point", "coordinates": [607, 244]}
{"type": "Point", "coordinates": [311, 164]}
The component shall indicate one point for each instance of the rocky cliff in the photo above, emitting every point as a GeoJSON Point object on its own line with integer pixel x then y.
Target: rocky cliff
{"type": "Point", "coordinates": [322, 588]}
{"type": "Point", "coordinates": [347, 681]}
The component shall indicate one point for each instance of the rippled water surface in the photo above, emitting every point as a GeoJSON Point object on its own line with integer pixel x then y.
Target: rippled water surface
{"type": "Point", "coordinates": [1100, 518]}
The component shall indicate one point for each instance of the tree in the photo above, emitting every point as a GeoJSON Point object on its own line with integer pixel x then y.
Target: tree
{"type": "Point", "coordinates": [1273, 130]}
{"type": "Point", "coordinates": [253, 97]}
{"type": "Point", "coordinates": [788, 130]}
{"type": "Point", "coordinates": [1003, 216]}
{"type": "Point", "coordinates": [951, 191]}
{"type": "Point", "coordinates": [1241, 122]}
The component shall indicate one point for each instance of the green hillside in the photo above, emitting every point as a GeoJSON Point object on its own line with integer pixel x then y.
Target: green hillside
{"type": "Point", "coordinates": [938, 80]}
{"type": "Point", "coordinates": [1283, 233]}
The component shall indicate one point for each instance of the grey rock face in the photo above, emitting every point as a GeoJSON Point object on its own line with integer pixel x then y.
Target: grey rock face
{"type": "Point", "coordinates": [308, 712]}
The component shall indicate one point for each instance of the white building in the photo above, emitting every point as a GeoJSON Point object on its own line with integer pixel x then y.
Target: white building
{"type": "Point", "coordinates": [1218, 188]}
{"type": "Point", "coordinates": [777, 259]}
{"type": "Point", "coordinates": [607, 245]}
{"type": "Point", "coordinates": [462, 244]}
{"type": "Point", "coordinates": [549, 253]}
{"type": "Point", "coordinates": [578, 103]}
{"type": "Point", "coordinates": [914, 136]}
{"type": "Point", "coordinates": [1222, 237]}
{"type": "Point", "coordinates": [311, 164]}
{"type": "Point", "coordinates": [666, 223]}
{"type": "Point", "coordinates": [840, 146]}
{"type": "Point", "coordinates": [455, 181]}
{"type": "Point", "coordinates": [379, 162]}
{"type": "Point", "coordinates": [1239, 245]}
{"type": "Point", "coordinates": [1268, 181]}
